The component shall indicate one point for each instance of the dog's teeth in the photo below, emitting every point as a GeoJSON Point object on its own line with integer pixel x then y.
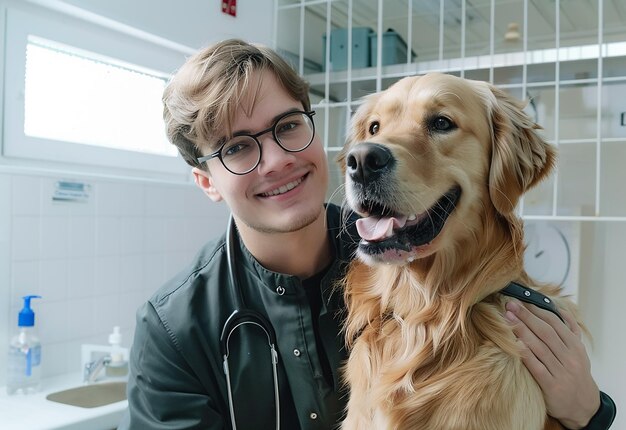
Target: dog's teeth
{"type": "Point", "coordinates": [411, 217]}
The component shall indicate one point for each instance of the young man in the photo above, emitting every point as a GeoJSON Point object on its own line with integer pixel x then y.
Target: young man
{"type": "Point", "coordinates": [240, 116]}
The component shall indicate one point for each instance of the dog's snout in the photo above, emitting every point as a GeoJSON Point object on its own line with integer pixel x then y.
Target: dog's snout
{"type": "Point", "coordinates": [367, 161]}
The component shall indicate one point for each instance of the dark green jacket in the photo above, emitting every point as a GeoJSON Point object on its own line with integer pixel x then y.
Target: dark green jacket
{"type": "Point", "coordinates": [176, 369]}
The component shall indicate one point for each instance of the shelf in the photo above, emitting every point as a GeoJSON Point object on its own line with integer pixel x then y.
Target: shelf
{"type": "Point", "coordinates": [570, 55]}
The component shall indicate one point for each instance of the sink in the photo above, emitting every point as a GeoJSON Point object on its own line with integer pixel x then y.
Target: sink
{"type": "Point", "coordinates": [91, 396]}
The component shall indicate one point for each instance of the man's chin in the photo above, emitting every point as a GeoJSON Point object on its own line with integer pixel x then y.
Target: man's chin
{"type": "Point", "coordinates": [287, 223]}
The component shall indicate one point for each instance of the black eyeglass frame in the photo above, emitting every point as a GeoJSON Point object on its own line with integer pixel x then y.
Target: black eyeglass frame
{"type": "Point", "coordinates": [272, 128]}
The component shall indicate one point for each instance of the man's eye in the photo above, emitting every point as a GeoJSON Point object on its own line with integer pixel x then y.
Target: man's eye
{"type": "Point", "coordinates": [286, 127]}
{"type": "Point", "coordinates": [236, 148]}
{"type": "Point", "coordinates": [374, 128]}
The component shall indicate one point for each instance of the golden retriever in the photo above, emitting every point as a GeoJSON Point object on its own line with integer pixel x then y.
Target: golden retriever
{"type": "Point", "coordinates": [435, 166]}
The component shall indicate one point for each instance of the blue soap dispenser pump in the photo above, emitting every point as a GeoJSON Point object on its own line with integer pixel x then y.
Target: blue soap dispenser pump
{"type": "Point", "coordinates": [24, 361]}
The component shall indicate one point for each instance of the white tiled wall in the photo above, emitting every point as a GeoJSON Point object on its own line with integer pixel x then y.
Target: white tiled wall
{"type": "Point", "coordinates": [93, 262]}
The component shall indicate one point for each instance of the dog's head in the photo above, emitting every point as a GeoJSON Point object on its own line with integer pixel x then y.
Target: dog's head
{"type": "Point", "coordinates": [431, 156]}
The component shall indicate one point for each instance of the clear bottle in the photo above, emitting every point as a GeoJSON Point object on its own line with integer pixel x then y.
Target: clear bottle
{"type": "Point", "coordinates": [24, 361]}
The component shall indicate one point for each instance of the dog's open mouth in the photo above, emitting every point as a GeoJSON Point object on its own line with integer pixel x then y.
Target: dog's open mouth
{"type": "Point", "coordinates": [383, 231]}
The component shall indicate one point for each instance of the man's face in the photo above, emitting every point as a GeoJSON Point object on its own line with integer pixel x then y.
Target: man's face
{"type": "Point", "coordinates": [286, 191]}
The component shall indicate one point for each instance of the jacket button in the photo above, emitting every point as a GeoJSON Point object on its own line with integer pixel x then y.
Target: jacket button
{"type": "Point", "coordinates": [296, 352]}
{"type": "Point", "coordinates": [313, 416]}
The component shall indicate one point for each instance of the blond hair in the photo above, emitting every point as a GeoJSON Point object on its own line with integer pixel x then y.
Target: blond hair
{"type": "Point", "coordinates": [200, 101]}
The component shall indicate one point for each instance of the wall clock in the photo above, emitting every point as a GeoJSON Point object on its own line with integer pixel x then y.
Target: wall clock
{"type": "Point", "coordinates": [547, 257]}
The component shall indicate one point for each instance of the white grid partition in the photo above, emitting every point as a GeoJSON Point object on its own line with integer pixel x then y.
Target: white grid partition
{"type": "Point", "coordinates": [572, 68]}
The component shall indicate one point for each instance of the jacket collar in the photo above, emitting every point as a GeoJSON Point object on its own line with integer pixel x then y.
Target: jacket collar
{"type": "Point", "coordinates": [344, 239]}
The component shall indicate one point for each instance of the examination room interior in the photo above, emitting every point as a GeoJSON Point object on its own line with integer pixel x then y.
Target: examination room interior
{"type": "Point", "coordinates": [97, 210]}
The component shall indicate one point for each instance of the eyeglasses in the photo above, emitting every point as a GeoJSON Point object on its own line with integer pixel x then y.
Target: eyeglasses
{"type": "Point", "coordinates": [293, 132]}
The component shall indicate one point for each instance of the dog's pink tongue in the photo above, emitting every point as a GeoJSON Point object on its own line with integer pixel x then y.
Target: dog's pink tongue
{"type": "Point", "coordinates": [375, 229]}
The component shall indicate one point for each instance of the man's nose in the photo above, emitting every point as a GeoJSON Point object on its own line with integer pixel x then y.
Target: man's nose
{"type": "Point", "coordinates": [273, 156]}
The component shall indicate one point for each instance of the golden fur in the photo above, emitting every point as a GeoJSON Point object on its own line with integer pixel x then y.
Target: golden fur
{"type": "Point", "coordinates": [429, 346]}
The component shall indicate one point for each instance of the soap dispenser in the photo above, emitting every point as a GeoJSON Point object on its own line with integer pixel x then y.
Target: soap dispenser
{"type": "Point", "coordinates": [24, 361]}
{"type": "Point", "coordinates": [118, 366]}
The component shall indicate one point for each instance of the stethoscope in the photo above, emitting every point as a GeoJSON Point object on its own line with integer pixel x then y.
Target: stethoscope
{"type": "Point", "coordinates": [240, 317]}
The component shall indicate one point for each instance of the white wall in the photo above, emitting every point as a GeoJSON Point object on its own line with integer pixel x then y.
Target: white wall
{"type": "Point", "coordinates": [194, 23]}
{"type": "Point", "coordinates": [96, 262]}
{"type": "Point", "coordinates": [602, 298]}
{"type": "Point", "coordinates": [93, 262]}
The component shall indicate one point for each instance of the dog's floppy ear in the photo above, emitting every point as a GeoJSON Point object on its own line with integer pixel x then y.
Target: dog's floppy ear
{"type": "Point", "coordinates": [520, 157]}
{"type": "Point", "coordinates": [357, 131]}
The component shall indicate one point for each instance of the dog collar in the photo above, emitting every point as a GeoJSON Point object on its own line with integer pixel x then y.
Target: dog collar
{"type": "Point", "coordinates": [529, 295]}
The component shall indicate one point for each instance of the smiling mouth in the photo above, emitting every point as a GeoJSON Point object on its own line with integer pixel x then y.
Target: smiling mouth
{"type": "Point", "coordinates": [383, 230]}
{"type": "Point", "coordinates": [284, 188]}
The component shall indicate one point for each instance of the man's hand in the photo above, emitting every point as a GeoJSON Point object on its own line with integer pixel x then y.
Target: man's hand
{"type": "Point", "coordinates": [556, 357]}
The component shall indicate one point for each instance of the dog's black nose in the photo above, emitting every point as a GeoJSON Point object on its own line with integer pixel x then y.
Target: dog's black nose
{"type": "Point", "coordinates": [367, 161]}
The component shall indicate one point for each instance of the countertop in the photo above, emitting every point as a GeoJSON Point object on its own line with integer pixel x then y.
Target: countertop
{"type": "Point", "coordinates": [35, 412]}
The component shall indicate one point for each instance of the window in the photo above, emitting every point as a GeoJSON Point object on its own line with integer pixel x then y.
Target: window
{"type": "Point", "coordinates": [73, 96]}
{"type": "Point", "coordinates": [86, 95]}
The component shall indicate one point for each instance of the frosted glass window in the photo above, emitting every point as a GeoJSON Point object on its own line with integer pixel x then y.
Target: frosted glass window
{"type": "Point", "coordinates": [72, 95]}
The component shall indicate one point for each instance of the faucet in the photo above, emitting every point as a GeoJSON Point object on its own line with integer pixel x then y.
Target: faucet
{"type": "Point", "coordinates": [111, 357]}
{"type": "Point", "coordinates": [93, 368]}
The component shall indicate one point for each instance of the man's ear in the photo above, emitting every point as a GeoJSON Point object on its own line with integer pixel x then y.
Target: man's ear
{"type": "Point", "coordinates": [204, 181]}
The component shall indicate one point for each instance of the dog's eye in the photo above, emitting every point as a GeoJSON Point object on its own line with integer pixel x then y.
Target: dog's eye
{"type": "Point", "coordinates": [374, 128]}
{"type": "Point", "coordinates": [441, 123]}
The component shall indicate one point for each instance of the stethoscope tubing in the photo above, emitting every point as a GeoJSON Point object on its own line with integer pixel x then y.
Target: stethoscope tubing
{"type": "Point", "coordinates": [239, 317]}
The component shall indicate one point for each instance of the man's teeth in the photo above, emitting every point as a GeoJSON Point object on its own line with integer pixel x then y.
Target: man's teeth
{"type": "Point", "coordinates": [411, 217]}
{"type": "Point", "coordinates": [281, 190]}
